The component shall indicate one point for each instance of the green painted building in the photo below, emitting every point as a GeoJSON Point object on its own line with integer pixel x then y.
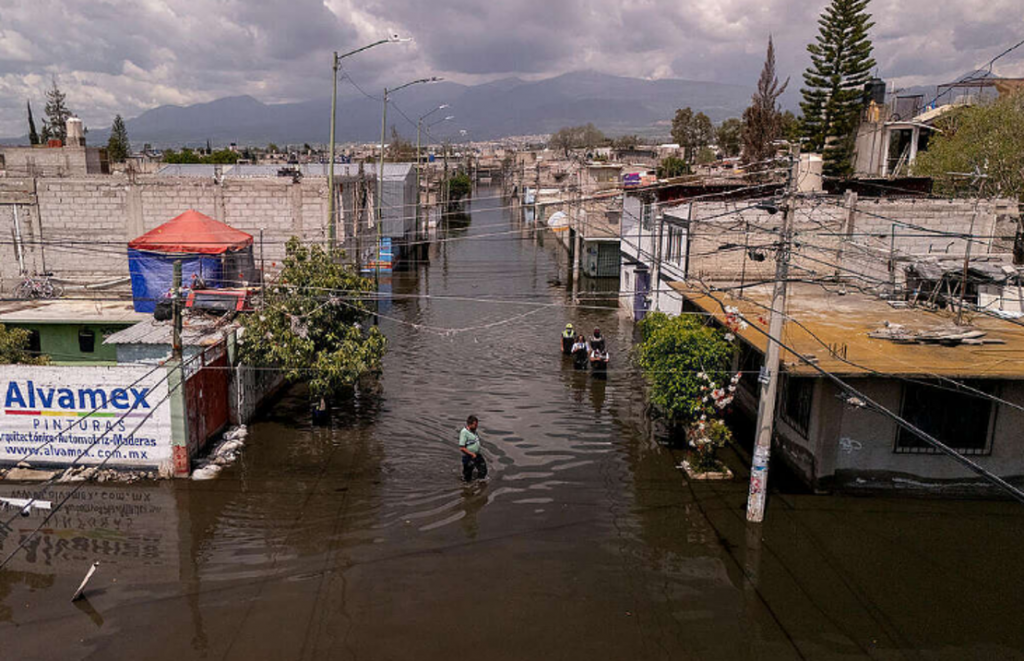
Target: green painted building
{"type": "Point", "coordinates": [71, 331]}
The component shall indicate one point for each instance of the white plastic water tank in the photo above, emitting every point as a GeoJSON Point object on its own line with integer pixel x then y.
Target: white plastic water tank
{"type": "Point", "coordinates": [76, 132]}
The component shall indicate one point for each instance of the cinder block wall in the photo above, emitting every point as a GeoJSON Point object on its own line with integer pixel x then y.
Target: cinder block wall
{"type": "Point", "coordinates": [79, 227]}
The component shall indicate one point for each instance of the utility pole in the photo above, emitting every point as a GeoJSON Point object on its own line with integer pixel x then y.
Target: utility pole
{"type": "Point", "coordinates": [380, 197]}
{"type": "Point", "coordinates": [967, 262]}
{"type": "Point", "coordinates": [263, 275]}
{"type": "Point", "coordinates": [769, 377]}
{"type": "Point", "coordinates": [419, 236]}
{"type": "Point", "coordinates": [335, 64]}
{"type": "Point", "coordinates": [176, 312]}
{"type": "Point", "coordinates": [330, 165]}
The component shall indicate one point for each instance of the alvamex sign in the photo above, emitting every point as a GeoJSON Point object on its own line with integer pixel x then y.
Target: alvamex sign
{"type": "Point", "coordinates": [64, 398]}
{"type": "Point", "coordinates": [86, 414]}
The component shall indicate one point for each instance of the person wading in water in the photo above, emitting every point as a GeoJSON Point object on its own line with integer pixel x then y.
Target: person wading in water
{"type": "Point", "coordinates": [469, 445]}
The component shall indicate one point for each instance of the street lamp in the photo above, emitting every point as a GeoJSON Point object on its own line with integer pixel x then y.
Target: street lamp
{"type": "Point", "coordinates": [392, 38]}
{"type": "Point", "coordinates": [419, 128]}
{"type": "Point", "coordinates": [380, 166]}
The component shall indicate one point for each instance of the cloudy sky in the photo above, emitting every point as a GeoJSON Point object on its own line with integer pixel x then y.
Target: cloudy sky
{"type": "Point", "coordinates": [126, 56]}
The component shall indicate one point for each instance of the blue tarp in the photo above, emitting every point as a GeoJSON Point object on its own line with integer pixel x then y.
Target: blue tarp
{"type": "Point", "coordinates": [152, 274]}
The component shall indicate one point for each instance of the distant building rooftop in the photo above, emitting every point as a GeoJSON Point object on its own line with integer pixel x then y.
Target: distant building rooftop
{"type": "Point", "coordinates": [69, 311]}
{"type": "Point", "coordinates": [845, 322]}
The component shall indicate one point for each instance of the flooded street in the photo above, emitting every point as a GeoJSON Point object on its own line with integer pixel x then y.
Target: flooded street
{"type": "Point", "coordinates": [359, 540]}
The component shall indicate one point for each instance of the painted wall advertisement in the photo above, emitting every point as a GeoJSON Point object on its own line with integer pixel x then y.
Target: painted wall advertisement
{"type": "Point", "coordinates": [55, 415]}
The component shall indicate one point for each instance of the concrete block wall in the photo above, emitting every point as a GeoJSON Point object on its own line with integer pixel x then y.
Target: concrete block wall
{"type": "Point", "coordinates": [44, 161]}
{"type": "Point", "coordinates": [80, 226]}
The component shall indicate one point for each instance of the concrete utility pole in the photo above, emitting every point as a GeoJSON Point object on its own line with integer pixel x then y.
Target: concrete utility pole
{"type": "Point", "coordinates": [577, 246]}
{"type": "Point", "coordinates": [380, 172]}
{"type": "Point", "coordinates": [176, 312]}
{"type": "Point", "coordinates": [392, 39]}
{"type": "Point", "coordinates": [421, 234]}
{"type": "Point", "coordinates": [769, 377]}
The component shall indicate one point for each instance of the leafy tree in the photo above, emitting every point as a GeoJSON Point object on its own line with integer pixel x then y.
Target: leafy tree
{"type": "Point", "coordinates": [671, 166]}
{"type": "Point", "coordinates": [562, 140]}
{"type": "Point", "coordinates": [833, 93]}
{"type": "Point", "coordinates": [763, 120]}
{"type": "Point", "coordinates": [33, 137]}
{"type": "Point", "coordinates": [221, 156]}
{"type": "Point", "coordinates": [626, 142]}
{"type": "Point", "coordinates": [311, 324]}
{"type": "Point", "coordinates": [14, 348]}
{"type": "Point", "coordinates": [569, 138]}
{"type": "Point", "coordinates": [57, 113]}
{"type": "Point", "coordinates": [692, 131]}
{"type": "Point", "coordinates": [272, 148]}
{"type": "Point", "coordinates": [706, 156]}
{"type": "Point", "coordinates": [118, 147]}
{"type": "Point", "coordinates": [729, 137]}
{"type": "Point", "coordinates": [676, 354]}
{"type": "Point", "coordinates": [790, 126]}
{"type": "Point", "coordinates": [988, 139]}
{"type": "Point", "coordinates": [186, 155]}
{"type": "Point", "coordinates": [459, 186]}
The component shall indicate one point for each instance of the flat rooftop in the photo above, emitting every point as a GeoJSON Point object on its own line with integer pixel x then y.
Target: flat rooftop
{"type": "Point", "coordinates": [69, 311]}
{"type": "Point", "coordinates": [845, 323]}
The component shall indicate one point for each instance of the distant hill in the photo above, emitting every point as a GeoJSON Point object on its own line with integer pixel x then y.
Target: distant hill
{"type": "Point", "coordinates": [510, 106]}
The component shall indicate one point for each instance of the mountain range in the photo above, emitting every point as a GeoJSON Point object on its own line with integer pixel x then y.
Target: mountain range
{"type": "Point", "coordinates": [617, 105]}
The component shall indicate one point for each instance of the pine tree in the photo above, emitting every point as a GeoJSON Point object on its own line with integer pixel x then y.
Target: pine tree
{"type": "Point", "coordinates": [762, 121]}
{"type": "Point", "coordinates": [692, 132]}
{"type": "Point", "coordinates": [833, 95]}
{"type": "Point", "coordinates": [118, 147]}
{"type": "Point", "coordinates": [33, 137]}
{"type": "Point", "coordinates": [57, 113]}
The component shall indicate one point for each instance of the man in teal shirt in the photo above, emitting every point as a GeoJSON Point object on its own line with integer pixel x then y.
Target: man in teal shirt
{"type": "Point", "coordinates": [469, 445]}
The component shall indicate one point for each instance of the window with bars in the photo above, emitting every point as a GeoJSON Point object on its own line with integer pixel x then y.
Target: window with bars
{"type": "Point", "coordinates": [959, 419]}
{"type": "Point", "coordinates": [797, 399]}
{"type": "Point", "coordinates": [673, 251]}
{"type": "Point", "coordinates": [646, 212]}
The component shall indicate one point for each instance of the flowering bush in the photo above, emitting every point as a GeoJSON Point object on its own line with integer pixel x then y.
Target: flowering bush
{"type": "Point", "coordinates": [706, 437]}
{"type": "Point", "coordinates": [673, 353]}
{"type": "Point", "coordinates": [687, 363]}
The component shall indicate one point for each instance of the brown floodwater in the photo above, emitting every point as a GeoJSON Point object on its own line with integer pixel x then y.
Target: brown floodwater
{"type": "Point", "coordinates": [359, 541]}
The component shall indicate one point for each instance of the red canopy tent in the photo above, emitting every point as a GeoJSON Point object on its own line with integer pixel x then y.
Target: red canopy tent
{"type": "Point", "coordinates": [192, 233]}
{"type": "Point", "coordinates": [207, 249]}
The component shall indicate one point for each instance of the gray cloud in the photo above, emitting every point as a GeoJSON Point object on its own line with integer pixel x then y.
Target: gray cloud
{"type": "Point", "coordinates": [124, 56]}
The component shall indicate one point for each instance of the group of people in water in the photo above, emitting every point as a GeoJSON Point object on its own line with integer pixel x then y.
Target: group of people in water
{"type": "Point", "coordinates": [584, 351]}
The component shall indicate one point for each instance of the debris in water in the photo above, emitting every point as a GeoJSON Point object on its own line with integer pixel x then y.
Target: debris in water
{"type": "Point", "coordinates": [88, 575]}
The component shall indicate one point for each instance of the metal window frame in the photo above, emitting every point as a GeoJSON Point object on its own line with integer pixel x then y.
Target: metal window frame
{"type": "Point", "coordinates": [927, 449]}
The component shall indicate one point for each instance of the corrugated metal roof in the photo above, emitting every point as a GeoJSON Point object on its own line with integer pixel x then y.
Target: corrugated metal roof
{"type": "Point", "coordinates": [196, 332]}
{"type": "Point", "coordinates": [392, 171]}
{"type": "Point", "coordinates": [192, 170]}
